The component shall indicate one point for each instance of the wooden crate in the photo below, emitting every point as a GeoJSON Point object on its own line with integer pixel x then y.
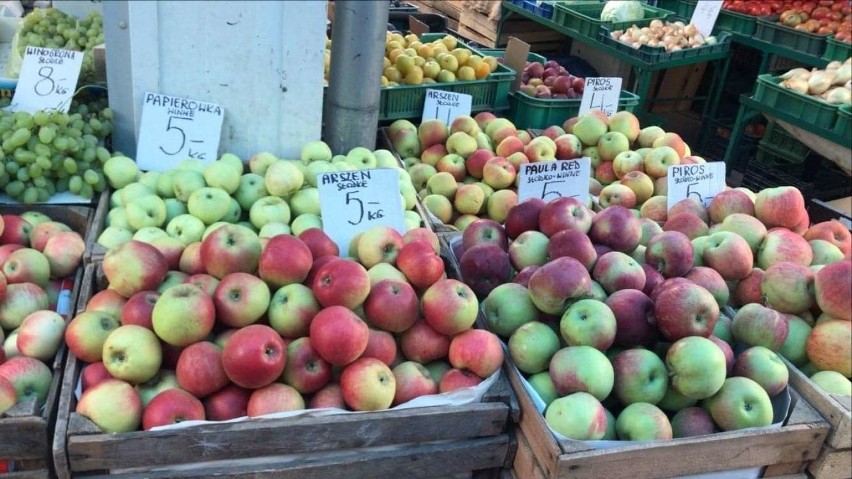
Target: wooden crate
{"type": "Point", "coordinates": [835, 459]}
{"type": "Point", "coordinates": [417, 442]}
{"type": "Point", "coordinates": [785, 450]}
{"type": "Point", "coordinates": [477, 26]}
{"type": "Point", "coordinates": [95, 252]}
{"type": "Point", "coordinates": [25, 429]}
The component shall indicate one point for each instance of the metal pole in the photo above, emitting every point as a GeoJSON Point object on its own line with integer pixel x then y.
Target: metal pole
{"type": "Point", "coordinates": [357, 51]}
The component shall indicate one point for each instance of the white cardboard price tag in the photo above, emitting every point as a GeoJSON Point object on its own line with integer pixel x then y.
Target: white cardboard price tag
{"type": "Point", "coordinates": [48, 80]}
{"type": "Point", "coordinates": [175, 128]}
{"type": "Point", "coordinates": [601, 93]}
{"type": "Point", "coordinates": [352, 202]}
{"type": "Point", "coordinates": [554, 179]}
{"type": "Point", "coordinates": [701, 182]}
{"type": "Point", "coordinates": [445, 105]}
{"type": "Point", "coordinates": [705, 15]}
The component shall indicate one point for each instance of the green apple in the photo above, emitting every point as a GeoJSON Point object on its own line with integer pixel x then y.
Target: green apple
{"type": "Point", "coordinates": [795, 345]}
{"type": "Point", "coordinates": [213, 228]}
{"type": "Point", "coordinates": [235, 212]}
{"type": "Point", "coordinates": [132, 353]}
{"type": "Point", "coordinates": [260, 162]}
{"type": "Point", "coordinates": [532, 345]}
{"type": "Point", "coordinates": [173, 278]}
{"type": "Point", "coordinates": [640, 376]}
{"type": "Point", "coordinates": [233, 160]}
{"type": "Point", "coordinates": [120, 171]}
{"type": "Point", "coordinates": [763, 366]}
{"type": "Point", "coordinates": [150, 179]}
{"type": "Point", "coordinates": [582, 368]}
{"type": "Point", "coordinates": [385, 159]}
{"type": "Point", "coordinates": [186, 182]}
{"type": "Point", "coordinates": [224, 175]}
{"type": "Point", "coordinates": [209, 204]}
{"type": "Point", "coordinates": [833, 382]}
{"type": "Point", "coordinates": [316, 150]}
{"type": "Point", "coordinates": [163, 380]}
{"type": "Point", "coordinates": [274, 228]}
{"type": "Point", "coordinates": [507, 307]}
{"type": "Point", "coordinates": [409, 195]}
{"type": "Point", "coordinates": [113, 236]}
{"type": "Point", "coordinates": [697, 367]}
{"type": "Point", "coordinates": [250, 190]}
{"type": "Point", "coordinates": [166, 184]}
{"type": "Point", "coordinates": [269, 209]}
{"type": "Point", "coordinates": [113, 405]}
{"type": "Point", "coordinates": [643, 422]}
{"type": "Point", "coordinates": [291, 310]}
{"type": "Point", "coordinates": [412, 219]}
{"type": "Point", "coordinates": [133, 191]}
{"type": "Point", "coordinates": [316, 168]}
{"type": "Point", "coordinates": [186, 228]}
{"type": "Point", "coordinates": [342, 165]}
{"type": "Point", "coordinates": [149, 233]}
{"type": "Point", "coordinates": [117, 216]}
{"type": "Point", "coordinates": [577, 416]}
{"type": "Point", "coordinates": [174, 208]}
{"type": "Point", "coordinates": [191, 164]}
{"type": "Point", "coordinates": [305, 221]}
{"type": "Point", "coordinates": [361, 158]}
{"type": "Point", "coordinates": [588, 322]}
{"type": "Point", "coordinates": [543, 386]}
{"type": "Point", "coordinates": [146, 211]}
{"type": "Point", "coordinates": [740, 403]}
{"type": "Point", "coordinates": [35, 218]}
{"type": "Point", "coordinates": [283, 178]}
{"type": "Point", "coordinates": [306, 200]}
{"type": "Point", "coordinates": [675, 401]}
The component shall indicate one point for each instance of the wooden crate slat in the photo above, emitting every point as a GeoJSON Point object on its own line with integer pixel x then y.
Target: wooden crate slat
{"type": "Point", "coordinates": [410, 461]}
{"type": "Point", "coordinates": [23, 438]}
{"type": "Point", "coordinates": [835, 409]}
{"type": "Point", "coordinates": [832, 464]}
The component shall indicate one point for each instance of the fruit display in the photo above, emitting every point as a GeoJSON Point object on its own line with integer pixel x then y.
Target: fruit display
{"type": "Point", "coordinates": [833, 84]}
{"type": "Point", "coordinates": [52, 28]}
{"type": "Point", "coordinates": [38, 260]}
{"type": "Point", "coordinates": [250, 329]}
{"type": "Point", "coordinates": [410, 61]}
{"type": "Point", "coordinates": [673, 36]}
{"type": "Point", "coordinates": [832, 18]}
{"type": "Point", "coordinates": [620, 319]}
{"type": "Point", "coordinates": [551, 80]}
{"type": "Point", "coordinates": [47, 153]}
{"type": "Point", "coordinates": [173, 210]}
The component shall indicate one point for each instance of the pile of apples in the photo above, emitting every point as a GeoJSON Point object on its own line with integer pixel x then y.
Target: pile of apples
{"type": "Point", "coordinates": [410, 61]}
{"type": "Point", "coordinates": [250, 329]}
{"type": "Point", "coordinates": [175, 209]}
{"type": "Point", "coordinates": [551, 80]}
{"type": "Point", "coordinates": [615, 316]}
{"type": "Point", "coordinates": [38, 256]}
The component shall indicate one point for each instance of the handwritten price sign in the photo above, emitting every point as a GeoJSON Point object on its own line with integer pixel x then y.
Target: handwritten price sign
{"type": "Point", "coordinates": [174, 129]}
{"type": "Point", "coordinates": [601, 94]}
{"type": "Point", "coordinates": [352, 202]}
{"type": "Point", "coordinates": [445, 105]}
{"type": "Point", "coordinates": [705, 15]}
{"type": "Point", "coordinates": [48, 80]}
{"type": "Point", "coordinates": [554, 179]}
{"type": "Point", "coordinates": [699, 182]}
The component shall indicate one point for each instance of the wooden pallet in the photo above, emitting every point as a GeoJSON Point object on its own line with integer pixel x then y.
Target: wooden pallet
{"type": "Point", "coordinates": [416, 442]}
{"type": "Point", "coordinates": [835, 459]}
{"type": "Point", "coordinates": [784, 450]}
{"type": "Point", "coordinates": [478, 27]}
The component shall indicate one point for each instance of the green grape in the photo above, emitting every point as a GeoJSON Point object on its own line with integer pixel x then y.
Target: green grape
{"type": "Point", "coordinates": [43, 195]}
{"type": "Point", "coordinates": [51, 189]}
{"type": "Point", "coordinates": [86, 191]}
{"type": "Point", "coordinates": [44, 162]}
{"type": "Point", "coordinates": [24, 156]}
{"type": "Point", "coordinates": [61, 143]}
{"type": "Point", "coordinates": [41, 118]}
{"type": "Point", "coordinates": [46, 134]}
{"type": "Point", "coordinates": [75, 183]}
{"type": "Point", "coordinates": [41, 182]}
{"type": "Point", "coordinates": [23, 174]}
{"type": "Point", "coordinates": [107, 113]}
{"type": "Point", "coordinates": [12, 167]}
{"type": "Point", "coordinates": [19, 137]}
{"type": "Point", "coordinates": [62, 185]}
{"type": "Point", "coordinates": [102, 154]}
{"type": "Point", "coordinates": [69, 165]}
{"type": "Point", "coordinates": [42, 150]}
{"type": "Point", "coordinates": [35, 171]}
{"type": "Point", "coordinates": [90, 155]}
{"type": "Point", "coordinates": [14, 188]}
{"type": "Point", "coordinates": [101, 185]}
{"type": "Point", "coordinates": [4, 179]}
{"type": "Point", "coordinates": [30, 195]}
{"type": "Point", "coordinates": [90, 177]}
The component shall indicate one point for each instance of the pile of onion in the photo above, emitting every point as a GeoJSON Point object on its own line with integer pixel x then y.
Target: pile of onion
{"type": "Point", "coordinates": [834, 84]}
{"type": "Point", "coordinates": [673, 36]}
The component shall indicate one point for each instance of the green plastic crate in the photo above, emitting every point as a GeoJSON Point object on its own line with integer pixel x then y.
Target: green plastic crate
{"type": "Point", "coordinates": [736, 22]}
{"type": "Point", "coordinates": [777, 140]}
{"type": "Point", "coordinates": [681, 8]}
{"type": "Point", "coordinates": [490, 93]}
{"type": "Point", "coordinates": [844, 123]}
{"type": "Point", "coordinates": [585, 18]}
{"type": "Point", "coordinates": [837, 50]}
{"type": "Point", "coordinates": [770, 31]}
{"type": "Point", "coordinates": [769, 92]}
{"type": "Point", "coordinates": [768, 154]}
{"type": "Point", "coordinates": [656, 55]}
{"type": "Point", "coordinates": [501, 53]}
{"type": "Point", "coordinates": [530, 112]}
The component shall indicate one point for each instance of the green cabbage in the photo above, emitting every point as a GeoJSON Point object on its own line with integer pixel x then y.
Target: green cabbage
{"type": "Point", "coordinates": [622, 11]}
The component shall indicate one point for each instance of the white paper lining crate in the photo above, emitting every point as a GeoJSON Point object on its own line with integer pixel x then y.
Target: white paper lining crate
{"type": "Point", "coordinates": [416, 442]}
{"type": "Point", "coordinates": [835, 459]}
{"type": "Point", "coordinates": [25, 430]}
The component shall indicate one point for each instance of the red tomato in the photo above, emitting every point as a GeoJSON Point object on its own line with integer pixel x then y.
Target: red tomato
{"type": "Point", "coordinates": [820, 12]}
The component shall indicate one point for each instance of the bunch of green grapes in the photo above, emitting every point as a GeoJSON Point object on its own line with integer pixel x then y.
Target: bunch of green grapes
{"type": "Point", "coordinates": [50, 152]}
{"type": "Point", "coordinates": [53, 28]}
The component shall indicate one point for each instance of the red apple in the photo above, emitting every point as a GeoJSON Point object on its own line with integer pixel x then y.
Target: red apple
{"type": "Point", "coordinates": [134, 266]}
{"type": "Point", "coordinates": [634, 316]}
{"type": "Point", "coordinates": [137, 310]}
{"type": "Point", "coordinates": [392, 305]}
{"type": "Point", "coordinates": [685, 310]}
{"type": "Point", "coordinates": [227, 403]}
{"type": "Point", "coordinates": [341, 283]}
{"type": "Point", "coordinates": [420, 264]}
{"type": "Point", "coordinates": [449, 306]}
{"type": "Point", "coordinates": [338, 335]}
{"type": "Point", "coordinates": [478, 351]}
{"type": "Point", "coordinates": [423, 344]}
{"type": "Point", "coordinates": [368, 385]}
{"type": "Point", "coordinates": [284, 260]}
{"type": "Point", "coordinates": [457, 379]}
{"type": "Point", "coordinates": [172, 406]}
{"type": "Point", "coordinates": [199, 369]}
{"type": "Point", "coordinates": [254, 356]}
{"type": "Point", "coordinates": [319, 243]}
{"type": "Point", "coordinates": [558, 283]}
{"type": "Point", "coordinates": [617, 228]}
{"type": "Point", "coordinates": [565, 213]}
{"type": "Point", "coordinates": [272, 398]}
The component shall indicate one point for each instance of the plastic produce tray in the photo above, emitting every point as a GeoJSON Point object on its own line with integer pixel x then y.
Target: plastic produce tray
{"type": "Point", "coordinates": [403, 7]}
{"type": "Point", "coordinates": [770, 31]}
{"type": "Point", "coordinates": [585, 17]}
{"type": "Point", "coordinates": [769, 92]}
{"type": "Point", "coordinates": [530, 112]}
{"type": "Point", "coordinates": [777, 141]}
{"type": "Point", "coordinates": [681, 8]}
{"type": "Point", "coordinates": [655, 55]}
{"type": "Point", "coordinates": [836, 49]}
{"type": "Point", "coordinates": [490, 93]}
{"type": "Point", "coordinates": [844, 122]}
{"type": "Point", "coordinates": [735, 22]}
{"type": "Point", "coordinates": [543, 10]}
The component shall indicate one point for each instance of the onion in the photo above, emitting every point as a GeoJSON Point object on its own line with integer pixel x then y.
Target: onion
{"type": "Point", "coordinates": [797, 84]}
{"type": "Point", "coordinates": [656, 23]}
{"type": "Point", "coordinates": [833, 65]}
{"type": "Point", "coordinates": [797, 72]}
{"type": "Point", "coordinates": [711, 40]}
{"type": "Point", "coordinates": [643, 39]}
{"type": "Point", "coordinates": [839, 96]}
{"type": "Point", "coordinates": [690, 30]}
{"type": "Point", "coordinates": [820, 81]}
{"type": "Point", "coordinates": [636, 45]}
{"type": "Point", "coordinates": [645, 30]}
{"type": "Point", "coordinates": [678, 24]}
{"type": "Point", "coordinates": [654, 43]}
{"type": "Point", "coordinates": [843, 74]}
{"type": "Point", "coordinates": [626, 38]}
